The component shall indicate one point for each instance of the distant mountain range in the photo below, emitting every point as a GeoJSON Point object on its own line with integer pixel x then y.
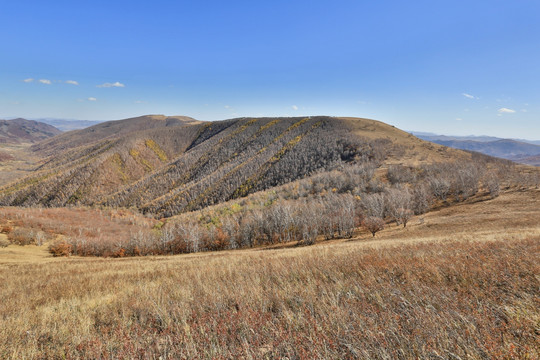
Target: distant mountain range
{"type": "Point", "coordinates": [519, 150]}
{"type": "Point", "coordinates": [68, 124]}
{"type": "Point", "coordinates": [63, 124]}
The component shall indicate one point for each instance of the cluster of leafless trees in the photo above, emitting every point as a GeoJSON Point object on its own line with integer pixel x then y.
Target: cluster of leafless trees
{"type": "Point", "coordinates": [330, 204]}
{"type": "Point", "coordinates": [458, 180]}
{"type": "Point", "coordinates": [220, 161]}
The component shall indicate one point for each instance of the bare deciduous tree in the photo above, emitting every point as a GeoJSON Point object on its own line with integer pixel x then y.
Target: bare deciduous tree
{"type": "Point", "coordinates": [491, 182]}
{"type": "Point", "coordinates": [399, 202]}
{"type": "Point", "coordinates": [374, 205]}
{"type": "Point", "coordinates": [440, 187]}
{"type": "Point", "coordinates": [422, 198]}
{"type": "Point", "coordinates": [373, 224]}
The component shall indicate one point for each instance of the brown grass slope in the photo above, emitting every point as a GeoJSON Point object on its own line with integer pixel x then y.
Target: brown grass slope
{"type": "Point", "coordinates": [18, 131]}
{"type": "Point", "coordinates": [171, 165]}
{"type": "Point", "coordinates": [408, 149]}
{"type": "Point", "coordinates": [462, 284]}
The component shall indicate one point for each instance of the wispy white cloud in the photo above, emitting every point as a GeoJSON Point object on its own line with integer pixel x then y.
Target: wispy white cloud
{"type": "Point", "coordinates": [29, 80]}
{"type": "Point", "coordinates": [469, 96]}
{"type": "Point", "coordinates": [294, 107]}
{"type": "Point", "coordinates": [228, 107]}
{"type": "Point", "coordinates": [506, 111]}
{"type": "Point", "coordinates": [92, 99]}
{"type": "Point", "coordinates": [140, 102]}
{"type": "Point", "coordinates": [45, 81]}
{"type": "Point", "coordinates": [72, 82]}
{"type": "Point", "coordinates": [459, 119]}
{"type": "Point", "coordinates": [108, 85]}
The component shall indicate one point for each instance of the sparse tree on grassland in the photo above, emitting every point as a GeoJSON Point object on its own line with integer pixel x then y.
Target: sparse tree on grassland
{"type": "Point", "coordinates": [373, 224]}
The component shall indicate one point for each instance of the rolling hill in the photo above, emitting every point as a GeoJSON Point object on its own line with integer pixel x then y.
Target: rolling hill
{"type": "Point", "coordinates": [18, 131]}
{"type": "Point", "coordinates": [168, 165]}
{"type": "Point", "coordinates": [108, 131]}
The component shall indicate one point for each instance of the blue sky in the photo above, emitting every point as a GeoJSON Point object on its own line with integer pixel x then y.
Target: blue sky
{"type": "Point", "coordinates": [452, 67]}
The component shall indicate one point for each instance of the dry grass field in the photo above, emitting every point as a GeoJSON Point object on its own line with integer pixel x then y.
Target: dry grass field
{"type": "Point", "coordinates": [458, 283]}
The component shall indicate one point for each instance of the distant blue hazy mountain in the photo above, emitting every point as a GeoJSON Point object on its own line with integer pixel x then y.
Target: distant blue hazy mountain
{"type": "Point", "coordinates": [482, 138]}
{"type": "Point", "coordinates": [68, 124]}
{"type": "Point", "coordinates": [522, 151]}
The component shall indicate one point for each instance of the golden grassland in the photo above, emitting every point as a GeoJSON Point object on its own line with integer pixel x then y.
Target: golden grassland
{"type": "Point", "coordinates": [458, 283]}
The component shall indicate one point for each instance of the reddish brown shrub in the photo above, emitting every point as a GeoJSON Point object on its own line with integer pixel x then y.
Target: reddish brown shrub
{"type": "Point", "coordinates": [6, 229]}
{"type": "Point", "coordinates": [60, 248]}
{"type": "Point", "coordinates": [119, 253]}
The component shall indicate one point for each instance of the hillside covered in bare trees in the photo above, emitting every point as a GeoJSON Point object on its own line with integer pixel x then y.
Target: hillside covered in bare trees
{"type": "Point", "coordinates": [169, 165]}
{"type": "Point", "coordinates": [245, 182]}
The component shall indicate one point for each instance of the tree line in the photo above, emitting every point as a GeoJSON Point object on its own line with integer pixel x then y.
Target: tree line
{"type": "Point", "coordinates": [327, 205]}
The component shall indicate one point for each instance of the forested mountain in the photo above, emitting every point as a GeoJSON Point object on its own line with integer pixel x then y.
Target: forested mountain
{"type": "Point", "coordinates": [25, 131]}
{"type": "Point", "coordinates": [169, 165]}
